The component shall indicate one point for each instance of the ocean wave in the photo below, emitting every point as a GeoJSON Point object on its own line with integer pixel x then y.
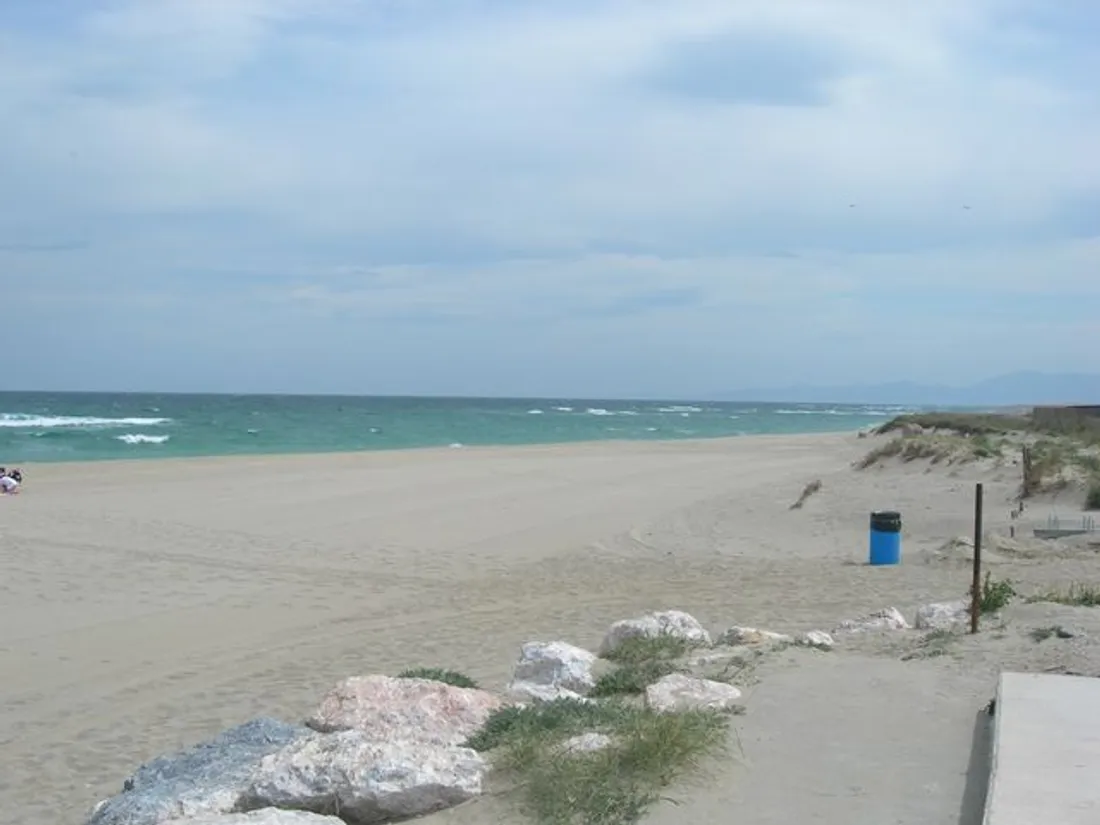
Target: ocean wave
{"type": "Point", "coordinates": [680, 408]}
{"type": "Point", "coordinates": [563, 409]}
{"type": "Point", "coordinates": [141, 438]}
{"type": "Point", "coordinates": [29, 421]}
{"type": "Point", "coordinates": [534, 412]}
{"type": "Point", "coordinates": [598, 411]}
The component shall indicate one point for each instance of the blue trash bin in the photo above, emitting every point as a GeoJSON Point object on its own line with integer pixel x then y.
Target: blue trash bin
{"type": "Point", "coordinates": [885, 537]}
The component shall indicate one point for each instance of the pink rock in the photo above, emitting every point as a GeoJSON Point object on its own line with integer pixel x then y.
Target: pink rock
{"type": "Point", "coordinates": [418, 710]}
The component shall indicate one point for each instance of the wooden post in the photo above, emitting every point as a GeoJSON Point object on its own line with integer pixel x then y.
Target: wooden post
{"type": "Point", "coordinates": [976, 585]}
{"type": "Point", "coordinates": [1026, 485]}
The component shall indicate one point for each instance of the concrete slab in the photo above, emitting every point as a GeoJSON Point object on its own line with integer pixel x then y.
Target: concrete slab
{"type": "Point", "coordinates": [1046, 751]}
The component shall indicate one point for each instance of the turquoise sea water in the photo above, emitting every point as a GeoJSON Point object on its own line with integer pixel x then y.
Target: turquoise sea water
{"type": "Point", "coordinates": [96, 426]}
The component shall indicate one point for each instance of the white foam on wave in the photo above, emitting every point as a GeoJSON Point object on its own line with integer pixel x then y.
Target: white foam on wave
{"type": "Point", "coordinates": [679, 408]}
{"type": "Point", "coordinates": [867, 411]}
{"type": "Point", "coordinates": [598, 411]}
{"type": "Point", "coordinates": [141, 438]}
{"type": "Point", "coordinates": [563, 409]}
{"type": "Point", "coordinates": [38, 422]}
{"type": "Point", "coordinates": [534, 412]}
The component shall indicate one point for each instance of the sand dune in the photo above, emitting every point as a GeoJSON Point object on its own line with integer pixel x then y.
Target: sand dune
{"type": "Point", "coordinates": [147, 605]}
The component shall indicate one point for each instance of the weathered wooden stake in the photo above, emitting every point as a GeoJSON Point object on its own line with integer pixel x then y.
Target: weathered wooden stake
{"type": "Point", "coordinates": [976, 585]}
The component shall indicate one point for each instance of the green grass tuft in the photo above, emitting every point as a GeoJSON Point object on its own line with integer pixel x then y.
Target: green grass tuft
{"type": "Point", "coordinates": [437, 674]}
{"type": "Point", "coordinates": [650, 648]}
{"type": "Point", "coordinates": [1076, 595]}
{"type": "Point", "coordinates": [995, 595]}
{"type": "Point", "coordinates": [615, 786]}
{"type": "Point", "coordinates": [631, 678]}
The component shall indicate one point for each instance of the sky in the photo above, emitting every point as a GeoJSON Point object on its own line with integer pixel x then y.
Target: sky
{"type": "Point", "coordinates": [598, 198]}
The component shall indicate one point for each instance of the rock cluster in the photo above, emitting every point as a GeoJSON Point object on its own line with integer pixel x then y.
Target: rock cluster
{"type": "Point", "coordinates": [382, 749]}
{"type": "Point", "coordinates": [674, 623]}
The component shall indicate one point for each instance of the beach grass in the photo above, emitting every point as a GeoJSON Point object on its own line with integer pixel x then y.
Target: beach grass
{"type": "Point", "coordinates": [438, 674]}
{"type": "Point", "coordinates": [1077, 594]}
{"type": "Point", "coordinates": [963, 423]}
{"type": "Point", "coordinates": [810, 489]}
{"type": "Point", "coordinates": [1041, 634]}
{"type": "Point", "coordinates": [615, 785]}
{"type": "Point", "coordinates": [995, 595]}
{"type": "Point", "coordinates": [642, 649]}
{"type": "Point", "coordinates": [936, 447]}
{"type": "Point", "coordinates": [639, 662]}
{"type": "Point", "coordinates": [631, 678]}
{"type": "Point", "coordinates": [934, 643]}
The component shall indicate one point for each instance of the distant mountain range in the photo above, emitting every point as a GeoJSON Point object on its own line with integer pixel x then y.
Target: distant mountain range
{"type": "Point", "coordinates": [1014, 389]}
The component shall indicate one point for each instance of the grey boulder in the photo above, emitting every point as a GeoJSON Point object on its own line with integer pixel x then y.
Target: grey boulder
{"type": "Point", "coordinates": [206, 779]}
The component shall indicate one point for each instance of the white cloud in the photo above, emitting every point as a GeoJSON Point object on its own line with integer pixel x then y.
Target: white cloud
{"type": "Point", "coordinates": [484, 160]}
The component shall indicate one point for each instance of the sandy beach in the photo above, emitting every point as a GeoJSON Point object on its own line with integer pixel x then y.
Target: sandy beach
{"type": "Point", "coordinates": [148, 605]}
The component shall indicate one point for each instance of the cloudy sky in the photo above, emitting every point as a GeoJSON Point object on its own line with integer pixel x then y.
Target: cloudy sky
{"type": "Point", "coordinates": [504, 197]}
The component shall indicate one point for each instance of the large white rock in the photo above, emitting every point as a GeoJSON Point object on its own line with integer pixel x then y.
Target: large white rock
{"type": "Point", "coordinates": [366, 781]}
{"type": "Point", "coordinates": [736, 636]}
{"type": "Point", "coordinates": [523, 693]}
{"type": "Point", "coordinates": [942, 615]}
{"type": "Point", "coordinates": [886, 619]}
{"type": "Point", "coordinates": [552, 670]}
{"type": "Point", "coordinates": [673, 623]}
{"type": "Point", "coordinates": [815, 638]}
{"type": "Point", "coordinates": [679, 692]}
{"type": "Point", "coordinates": [420, 710]}
{"type": "Point", "coordinates": [265, 816]}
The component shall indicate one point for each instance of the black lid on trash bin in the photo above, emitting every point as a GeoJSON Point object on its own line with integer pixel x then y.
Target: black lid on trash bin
{"type": "Point", "coordinates": [886, 521]}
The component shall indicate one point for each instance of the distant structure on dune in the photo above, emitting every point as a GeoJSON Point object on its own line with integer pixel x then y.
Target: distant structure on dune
{"type": "Point", "coordinates": [1060, 416]}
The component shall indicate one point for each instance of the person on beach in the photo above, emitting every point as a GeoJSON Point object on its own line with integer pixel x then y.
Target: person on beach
{"type": "Point", "coordinates": [9, 481]}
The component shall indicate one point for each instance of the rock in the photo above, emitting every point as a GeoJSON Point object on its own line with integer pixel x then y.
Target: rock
{"type": "Point", "coordinates": [418, 710]}
{"type": "Point", "coordinates": [553, 670]}
{"type": "Point", "coordinates": [524, 692]}
{"type": "Point", "coordinates": [366, 780]}
{"type": "Point", "coordinates": [677, 692]}
{"type": "Point", "coordinates": [206, 779]}
{"type": "Point", "coordinates": [942, 615]}
{"type": "Point", "coordinates": [1064, 632]}
{"type": "Point", "coordinates": [738, 655]}
{"type": "Point", "coordinates": [737, 636]}
{"type": "Point", "coordinates": [265, 816]}
{"type": "Point", "coordinates": [815, 638]}
{"type": "Point", "coordinates": [673, 623]}
{"type": "Point", "coordinates": [587, 743]}
{"type": "Point", "coordinates": [886, 619]}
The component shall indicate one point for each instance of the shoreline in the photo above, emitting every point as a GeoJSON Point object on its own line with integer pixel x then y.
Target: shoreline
{"type": "Point", "coordinates": [611, 444]}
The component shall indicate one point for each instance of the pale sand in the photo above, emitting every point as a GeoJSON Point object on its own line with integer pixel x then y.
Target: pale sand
{"type": "Point", "coordinates": [146, 606]}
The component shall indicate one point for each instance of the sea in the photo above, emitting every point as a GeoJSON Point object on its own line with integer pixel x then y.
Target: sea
{"type": "Point", "coordinates": [50, 427]}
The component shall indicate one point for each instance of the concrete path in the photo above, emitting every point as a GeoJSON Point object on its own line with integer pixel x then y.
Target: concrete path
{"type": "Point", "coordinates": [1046, 751]}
